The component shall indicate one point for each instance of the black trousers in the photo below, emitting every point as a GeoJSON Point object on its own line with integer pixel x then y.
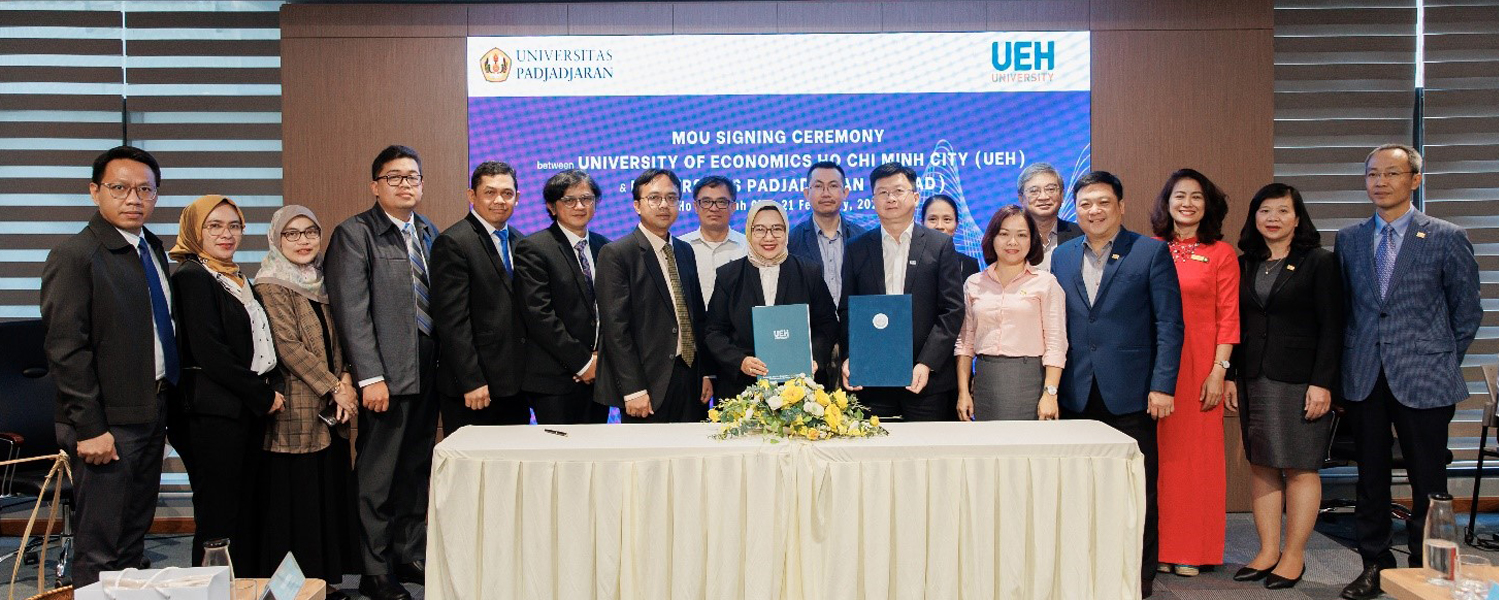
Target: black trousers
{"type": "Point", "coordinates": [502, 410]}
{"type": "Point", "coordinates": [900, 402]}
{"type": "Point", "coordinates": [114, 503]}
{"type": "Point", "coordinates": [392, 471]}
{"type": "Point", "coordinates": [566, 409]}
{"type": "Point", "coordinates": [1423, 442]}
{"type": "Point", "coordinates": [223, 469]}
{"type": "Point", "coordinates": [1142, 428]}
{"type": "Point", "coordinates": [683, 402]}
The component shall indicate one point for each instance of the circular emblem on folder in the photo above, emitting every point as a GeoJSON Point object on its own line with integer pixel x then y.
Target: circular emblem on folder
{"type": "Point", "coordinates": [881, 321]}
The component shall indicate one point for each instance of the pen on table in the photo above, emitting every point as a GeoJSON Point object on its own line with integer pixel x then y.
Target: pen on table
{"type": "Point", "coordinates": [555, 432]}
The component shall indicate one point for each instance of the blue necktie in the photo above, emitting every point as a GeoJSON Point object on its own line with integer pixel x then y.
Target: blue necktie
{"type": "Point", "coordinates": [418, 279]}
{"type": "Point", "coordinates": [1384, 259]}
{"type": "Point", "coordinates": [504, 235]}
{"type": "Point", "coordinates": [160, 314]}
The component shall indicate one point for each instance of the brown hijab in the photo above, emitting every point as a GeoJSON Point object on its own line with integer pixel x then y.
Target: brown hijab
{"type": "Point", "coordinates": [189, 244]}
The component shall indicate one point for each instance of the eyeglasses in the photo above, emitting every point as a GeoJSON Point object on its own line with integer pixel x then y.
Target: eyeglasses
{"type": "Point", "coordinates": [583, 201]}
{"type": "Point", "coordinates": [1036, 191]}
{"type": "Point", "coordinates": [720, 203]}
{"type": "Point", "coordinates": [892, 193]}
{"type": "Point", "coordinates": [312, 234]}
{"type": "Point", "coordinates": [659, 200]}
{"type": "Point", "coordinates": [120, 191]}
{"type": "Point", "coordinates": [831, 187]}
{"type": "Point", "coordinates": [399, 180]}
{"type": "Point", "coordinates": [772, 231]}
{"type": "Point", "coordinates": [218, 229]}
{"type": "Point", "coordinates": [1376, 175]}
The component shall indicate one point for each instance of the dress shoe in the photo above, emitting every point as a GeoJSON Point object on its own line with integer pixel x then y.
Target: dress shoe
{"type": "Point", "coordinates": [382, 587]}
{"type": "Point", "coordinates": [1276, 582]}
{"type": "Point", "coordinates": [1253, 574]}
{"type": "Point", "coordinates": [1366, 587]}
{"type": "Point", "coordinates": [412, 572]}
{"type": "Point", "coordinates": [1186, 570]}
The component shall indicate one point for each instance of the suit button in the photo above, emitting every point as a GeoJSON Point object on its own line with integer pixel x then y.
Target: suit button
{"type": "Point", "coordinates": [1383, 315]}
{"type": "Point", "coordinates": [674, 330]}
{"type": "Point", "coordinates": [1092, 319]}
{"type": "Point", "coordinates": [1093, 348]}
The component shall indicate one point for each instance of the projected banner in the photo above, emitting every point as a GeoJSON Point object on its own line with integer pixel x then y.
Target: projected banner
{"type": "Point", "coordinates": [967, 111]}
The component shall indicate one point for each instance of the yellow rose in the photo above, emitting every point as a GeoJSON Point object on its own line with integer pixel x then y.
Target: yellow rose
{"type": "Point", "coordinates": [874, 421]}
{"type": "Point", "coordinates": [713, 415]}
{"type": "Point", "coordinates": [821, 396]}
{"type": "Point", "coordinates": [832, 418]}
{"type": "Point", "coordinates": [812, 434]}
{"type": "Point", "coordinates": [793, 394]}
{"type": "Point", "coordinates": [840, 398]}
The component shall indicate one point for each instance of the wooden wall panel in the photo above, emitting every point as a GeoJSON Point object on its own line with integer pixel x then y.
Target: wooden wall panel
{"type": "Point", "coordinates": [724, 17]}
{"type": "Point", "coordinates": [517, 19]}
{"type": "Point", "coordinates": [1038, 15]}
{"type": "Point", "coordinates": [1166, 15]}
{"type": "Point", "coordinates": [935, 16]}
{"type": "Point", "coordinates": [828, 17]}
{"type": "Point", "coordinates": [373, 21]}
{"type": "Point", "coordinates": [636, 18]}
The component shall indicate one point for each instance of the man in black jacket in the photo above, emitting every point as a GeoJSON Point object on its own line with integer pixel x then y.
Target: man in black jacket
{"type": "Point", "coordinates": [112, 347]}
{"type": "Point", "coordinates": [480, 330]}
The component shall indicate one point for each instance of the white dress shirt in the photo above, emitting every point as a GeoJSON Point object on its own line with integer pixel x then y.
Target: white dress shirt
{"type": "Point", "coordinates": [897, 251]}
{"type": "Point", "coordinates": [769, 277]}
{"type": "Point", "coordinates": [712, 255]}
{"type": "Point", "coordinates": [135, 241]}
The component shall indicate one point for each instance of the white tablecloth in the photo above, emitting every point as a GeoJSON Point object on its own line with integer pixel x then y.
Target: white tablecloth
{"type": "Point", "coordinates": [935, 510]}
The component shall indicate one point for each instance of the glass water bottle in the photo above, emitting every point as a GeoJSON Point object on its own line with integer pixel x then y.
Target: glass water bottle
{"type": "Point", "coordinates": [1440, 547]}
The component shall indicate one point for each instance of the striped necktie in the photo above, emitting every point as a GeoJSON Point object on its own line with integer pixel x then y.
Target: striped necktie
{"type": "Point", "coordinates": [1384, 259]}
{"type": "Point", "coordinates": [684, 318]}
{"type": "Point", "coordinates": [418, 279]}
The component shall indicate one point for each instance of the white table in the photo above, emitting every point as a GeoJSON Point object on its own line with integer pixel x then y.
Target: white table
{"type": "Point", "coordinates": [935, 510]}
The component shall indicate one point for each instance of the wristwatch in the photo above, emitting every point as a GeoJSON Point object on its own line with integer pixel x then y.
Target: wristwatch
{"type": "Point", "coordinates": [1050, 390]}
{"type": "Point", "coordinates": [1224, 364]}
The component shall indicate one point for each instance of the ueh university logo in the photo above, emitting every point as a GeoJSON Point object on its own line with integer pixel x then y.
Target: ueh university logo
{"type": "Point", "coordinates": [495, 65]}
{"type": "Point", "coordinates": [1024, 61]}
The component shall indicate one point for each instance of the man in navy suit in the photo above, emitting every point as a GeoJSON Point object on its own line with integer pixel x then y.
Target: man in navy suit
{"type": "Point", "coordinates": [824, 235]}
{"type": "Point", "coordinates": [1124, 332]}
{"type": "Point", "coordinates": [1412, 309]}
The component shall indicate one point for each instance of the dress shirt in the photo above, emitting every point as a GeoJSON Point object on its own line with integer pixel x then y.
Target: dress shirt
{"type": "Point", "coordinates": [769, 277]}
{"type": "Point", "coordinates": [832, 259]}
{"type": "Point", "coordinates": [263, 359]}
{"type": "Point", "coordinates": [712, 255]}
{"type": "Point", "coordinates": [572, 243]}
{"type": "Point", "coordinates": [897, 250]}
{"type": "Point", "coordinates": [135, 242]}
{"type": "Point", "coordinates": [1093, 266]}
{"type": "Point", "coordinates": [508, 257]}
{"type": "Point", "coordinates": [657, 243]}
{"type": "Point", "coordinates": [1049, 245]}
{"type": "Point", "coordinates": [412, 246]}
{"type": "Point", "coordinates": [1025, 318]}
{"type": "Point", "coordinates": [1399, 225]}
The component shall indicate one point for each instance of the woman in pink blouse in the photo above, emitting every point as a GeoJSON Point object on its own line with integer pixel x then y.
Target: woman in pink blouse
{"type": "Point", "coordinates": [1015, 323]}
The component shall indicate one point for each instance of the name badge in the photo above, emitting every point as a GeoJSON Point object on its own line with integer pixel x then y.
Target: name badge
{"type": "Point", "coordinates": [1199, 258]}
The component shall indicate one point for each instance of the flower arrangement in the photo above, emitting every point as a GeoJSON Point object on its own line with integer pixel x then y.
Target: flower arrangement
{"type": "Point", "coordinates": [795, 408]}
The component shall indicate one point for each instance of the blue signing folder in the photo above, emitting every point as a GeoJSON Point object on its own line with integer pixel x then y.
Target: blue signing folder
{"type": "Point", "coordinates": [783, 339]}
{"type": "Point", "coordinates": [879, 341]}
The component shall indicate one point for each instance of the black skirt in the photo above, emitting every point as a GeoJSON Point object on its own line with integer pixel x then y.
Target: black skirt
{"type": "Point", "coordinates": [306, 508]}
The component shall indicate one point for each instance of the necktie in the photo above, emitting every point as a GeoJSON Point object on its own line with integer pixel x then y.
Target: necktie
{"type": "Point", "coordinates": [160, 314]}
{"type": "Point", "coordinates": [504, 235]}
{"type": "Point", "coordinates": [418, 279]}
{"type": "Point", "coordinates": [684, 318]}
{"type": "Point", "coordinates": [582, 248]}
{"type": "Point", "coordinates": [1384, 259]}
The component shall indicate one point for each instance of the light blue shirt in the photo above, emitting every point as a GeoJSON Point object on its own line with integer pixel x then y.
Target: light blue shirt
{"type": "Point", "coordinates": [1399, 225]}
{"type": "Point", "coordinates": [832, 260]}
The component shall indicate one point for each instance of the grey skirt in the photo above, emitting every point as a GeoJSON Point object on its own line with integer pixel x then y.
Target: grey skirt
{"type": "Point", "coordinates": [1007, 388]}
{"type": "Point", "coordinates": [1272, 417]}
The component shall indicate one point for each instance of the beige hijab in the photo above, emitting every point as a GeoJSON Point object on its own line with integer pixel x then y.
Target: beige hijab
{"type": "Point", "coordinates": [189, 244]}
{"type": "Point", "coordinates": [749, 221]}
{"type": "Point", "coordinates": [275, 268]}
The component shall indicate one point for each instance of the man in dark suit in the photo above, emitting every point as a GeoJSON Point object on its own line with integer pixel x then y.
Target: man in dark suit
{"type": "Point", "coordinates": [481, 335]}
{"type": "Point", "coordinates": [823, 237]}
{"type": "Point", "coordinates": [1042, 193]}
{"type": "Point", "coordinates": [901, 257]}
{"type": "Point", "coordinates": [112, 348]}
{"type": "Point", "coordinates": [1124, 331]}
{"type": "Point", "coordinates": [1411, 284]}
{"type": "Point", "coordinates": [554, 272]}
{"type": "Point", "coordinates": [378, 281]}
{"type": "Point", "coordinates": [652, 314]}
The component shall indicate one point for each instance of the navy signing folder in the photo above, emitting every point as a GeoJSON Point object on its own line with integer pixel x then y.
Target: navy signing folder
{"type": "Point", "coordinates": [879, 341]}
{"type": "Point", "coordinates": [783, 339]}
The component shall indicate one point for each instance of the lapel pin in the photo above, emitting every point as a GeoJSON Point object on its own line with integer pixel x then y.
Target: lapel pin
{"type": "Point", "coordinates": [1421, 234]}
{"type": "Point", "coordinates": [1199, 258]}
{"type": "Point", "coordinates": [1114, 257]}
{"type": "Point", "coordinates": [1290, 267]}
{"type": "Point", "coordinates": [913, 263]}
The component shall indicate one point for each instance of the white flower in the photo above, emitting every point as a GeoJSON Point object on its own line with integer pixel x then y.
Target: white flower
{"type": "Point", "coordinates": [774, 402]}
{"type": "Point", "coordinates": [812, 408]}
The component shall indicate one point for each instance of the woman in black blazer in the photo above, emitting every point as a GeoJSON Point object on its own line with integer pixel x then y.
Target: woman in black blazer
{"type": "Point", "coordinates": [1285, 368]}
{"type": "Point", "coordinates": [229, 361]}
{"type": "Point", "coordinates": [767, 276]}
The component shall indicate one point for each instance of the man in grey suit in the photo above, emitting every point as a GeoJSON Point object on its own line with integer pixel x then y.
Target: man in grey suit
{"type": "Point", "coordinates": [1412, 310]}
{"type": "Point", "coordinates": [377, 278]}
{"type": "Point", "coordinates": [112, 347]}
{"type": "Point", "coordinates": [1041, 193]}
{"type": "Point", "coordinates": [824, 235]}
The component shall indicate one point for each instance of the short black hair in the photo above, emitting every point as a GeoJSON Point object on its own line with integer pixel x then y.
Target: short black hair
{"type": "Point", "coordinates": [891, 169]}
{"type": "Point", "coordinates": [557, 185]}
{"type": "Point", "coordinates": [715, 181]}
{"type": "Point", "coordinates": [1306, 237]}
{"type": "Point", "coordinates": [391, 153]}
{"type": "Point", "coordinates": [1215, 208]}
{"type": "Point", "coordinates": [491, 168]}
{"type": "Point", "coordinates": [648, 175]}
{"type": "Point", "coordinates": [826, 164]}
{"type": "Point", "coordinates": [1095, 177]}
{"type": "Point", "coordinates": [1037, 251]}
{"type": "Point", "coordinates": [939, 198]}
{"type": "Point", "coordinates": [125, 153]}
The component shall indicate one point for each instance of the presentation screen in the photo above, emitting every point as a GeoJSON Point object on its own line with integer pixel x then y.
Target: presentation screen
{"type": "Point", "coordinates": [966, 111]}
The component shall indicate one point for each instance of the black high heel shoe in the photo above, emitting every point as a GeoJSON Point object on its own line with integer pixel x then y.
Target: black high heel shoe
{"type": "Point", "coordinates": [1276, 582]}
{"type": "Point", "coordinates": [1253, 574]}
